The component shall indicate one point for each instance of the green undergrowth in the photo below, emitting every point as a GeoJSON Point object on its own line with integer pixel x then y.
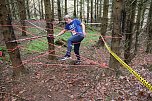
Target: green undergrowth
{"type": "Point", "coordinates": [40, 45]}
{"type": "Point", "coordinates": [4, 53]}
{"type": "Point", "coordinates": [37, 46]}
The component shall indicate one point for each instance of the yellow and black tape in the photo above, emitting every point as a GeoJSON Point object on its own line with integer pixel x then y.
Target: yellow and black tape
{"type": "Point", "coordinates": [142, 80]}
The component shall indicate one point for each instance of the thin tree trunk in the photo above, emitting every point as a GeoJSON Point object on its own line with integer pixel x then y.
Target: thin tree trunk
{"type": "Point", "coordinates": [123, 18]}
{"type": "Point", "coordinates": [88, 10]}
{"type": "Point", "coordinates": [111, 15]}
{"type": "Point", "coordinates": [62, 7]}
{"type": "Point", "coordinates": [115, 43]}
{"type": "Point", "coordinates": [13, 9]}
{"type": "Point", "coordinates": [12, 47]}
{"type": "Point", "coordinates": [95, 11]}
{"type": "Point", "coordinates": [100, 11]}
{"type": "Point", "coordinates": [130, 18]}
{"type": "Point", "coordinates": [9, 6]}
{"type": "Point", "coordinates": [52, 9]}
{"type": "Point", "coordinates": [65, 7]}
{"type": "Point", "coordinates": [74, 13]}
{"type": "Point", "coordinates": [59, 10]}
{"type": "Point", "coordinates": [49, 27]}
{"type": "Point", "coordinates": [42, 9]}
{"type": "Point", "coordinates": [81, 10]}
{"type": "Point", "coordinates": [104, 22]}
{"type": "Point", "coordinates": [143, 14]}
{"type": "Point", "coordinates": [34, 4]}
{"type": "Point", "coordinates": [39, 10]}
{"type": "Point", "coordinates": [77, 8]}
{"type": "Point", "coordinates": [92, 11]}
{"type": "Point", "coordinates": [28, 9]}
{"type": "Point", "coordinates": [22, 13]}
{"type": "Point", "coordinates": [138, 23]}
{"type": "Point", "coordinates": [149, 30]}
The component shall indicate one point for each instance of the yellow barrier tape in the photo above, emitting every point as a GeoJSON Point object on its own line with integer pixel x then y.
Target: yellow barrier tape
{"type": "Point", "coordinates": [142, 80]}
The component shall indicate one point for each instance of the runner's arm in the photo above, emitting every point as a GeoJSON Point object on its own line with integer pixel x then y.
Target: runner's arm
{"type": "Point", "coordinates": [83, 29]}
{"type": "Point", "coordinates": [62, 32]}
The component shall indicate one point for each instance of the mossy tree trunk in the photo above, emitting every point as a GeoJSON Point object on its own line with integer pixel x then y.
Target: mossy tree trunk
{"type": "Point", "coordinates": [9, 37]}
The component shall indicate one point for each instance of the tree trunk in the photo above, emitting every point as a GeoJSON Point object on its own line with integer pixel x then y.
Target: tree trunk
{"type": "Point", "coordinates": [13, 9]}
{"type": "Point", "coordinates": [9, 35]}
{"type": "Point", "coordinates": [74, 13]}
{"type": "Point", "coordinates": [88, 10]}
{"type": "Point", "coordinates": [34, 4]}
{"type": "Point", "coordinates": [91, 11]}
{"type": "Point", "coordinates": [149, 30]}
{"type": "Point", "coordinates": [115, 43]}
{"type": "Point", "coordinates": [42, 9]}
{"type": "Point", "coordinates": [65, 8]}
{"type": "Point", "coordinates": [39, 10]}
{"type": "Point", "coordinates": [104, 22]}
{"type": "Point", "coordinates": [28, 9]}
{"type": "Point", "coordinates": [100, 11]}
{"type": "Point", "coordinates": [52, 9]}
{"type": "Point", "coordinates": [9, 6]}
{"type": "Point", "coordinates": [49, 27]}
{"type": "Point", "coordinates": [130, 18]}
{"type": "Point", "coordinates": [81, 10]}
{"type": "Point", "coordinates": [59, 10]}
{"type": "Point", "coordinates": [22, 14]}
{"type": "Point", "coordinates": [77, 7]}
{"type": "Point", "coordinates": [138, 23]}
{"type": "Point", "coordinates": [62, 7]}
{"type": "Point", "coordinates": [111, 15]}
{"type": "Point", "coordinates": [95, 11]}
{"type": "Point", "coordinates": [143, 14]}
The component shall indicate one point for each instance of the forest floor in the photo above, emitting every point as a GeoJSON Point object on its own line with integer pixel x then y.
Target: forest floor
{"type": "Point", "coordinates": [55, 80]}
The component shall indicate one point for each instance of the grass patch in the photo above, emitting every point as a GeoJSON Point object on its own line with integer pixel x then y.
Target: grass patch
{"type": "Point", "coordinates": [35, 31]}
{"type": "Point", "coordinates": [90, 38]}
{"type": "Point", "coordinates": [5, 55]}
{"type": "Point", "coordinates": [37, 46]}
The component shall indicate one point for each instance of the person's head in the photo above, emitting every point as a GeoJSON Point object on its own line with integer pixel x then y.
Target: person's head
{"type": "Point", "coordinates": [67, 19]}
